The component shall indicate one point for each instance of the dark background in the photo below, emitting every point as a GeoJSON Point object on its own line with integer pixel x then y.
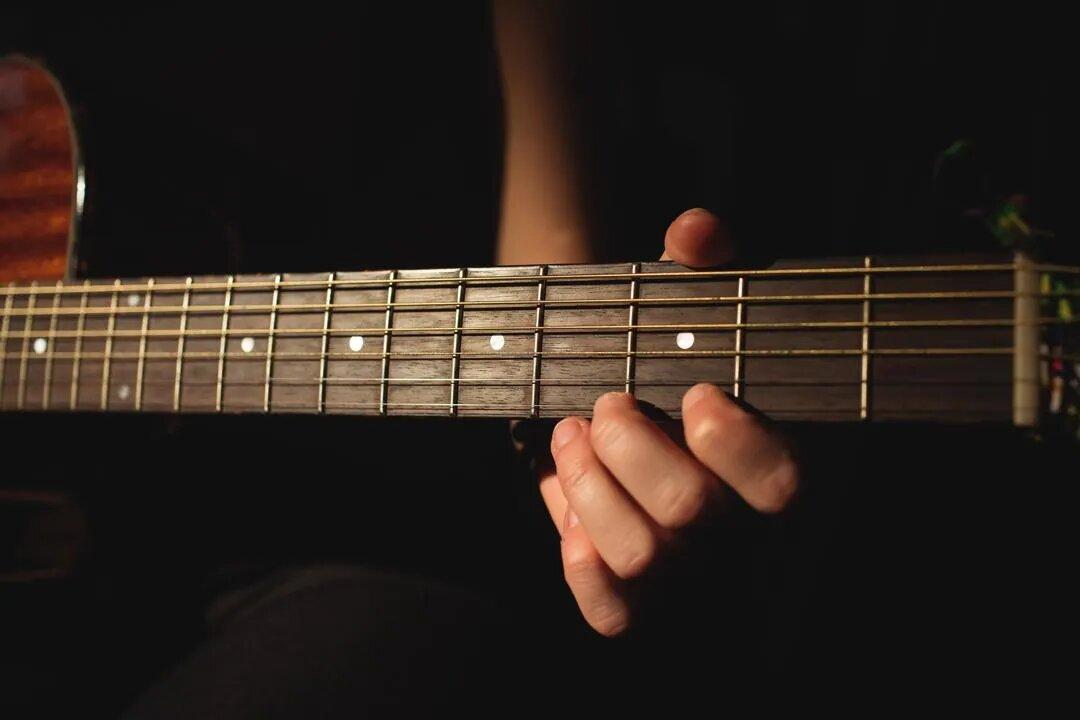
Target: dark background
{"type": "Point", "coordinates": [305, 138]}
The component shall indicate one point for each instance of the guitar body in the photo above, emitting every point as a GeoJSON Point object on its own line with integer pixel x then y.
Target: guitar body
{"type": "Point", "coordinates": [38, 161]}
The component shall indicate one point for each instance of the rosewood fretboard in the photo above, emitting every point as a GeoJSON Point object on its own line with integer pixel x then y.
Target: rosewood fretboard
{"type": "Point", "coordinates": [847, 339]}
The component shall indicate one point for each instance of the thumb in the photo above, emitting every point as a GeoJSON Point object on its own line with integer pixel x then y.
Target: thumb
{"type": "Point", "coordinates": [697, 238]}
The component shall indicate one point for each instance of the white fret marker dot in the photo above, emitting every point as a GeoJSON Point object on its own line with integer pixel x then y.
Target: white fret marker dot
{"type": "Point", "coordinates": [133, 300]}
{"type": "Point", "coordinates": [247, 344]}
{"type": "Point", "coordinates": [685, 340]}
{"type": "Point", "coordinates": [356, 343]}
{"type": "Point", "coordinates": [41, 345]}
{"type": "Point", "coordinates": [497, 342]}
{"type": "Point", "coordinates": [123, 392]}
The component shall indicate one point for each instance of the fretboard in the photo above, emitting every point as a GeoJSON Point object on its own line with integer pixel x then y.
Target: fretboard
{"type": "Point", "coordinates": [847, 339]}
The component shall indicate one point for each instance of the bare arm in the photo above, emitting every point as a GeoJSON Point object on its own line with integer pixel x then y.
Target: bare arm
{"type": "Point", "coordinates": [620, 492]}
{"type": "Point", "coordinates": [543, 218]}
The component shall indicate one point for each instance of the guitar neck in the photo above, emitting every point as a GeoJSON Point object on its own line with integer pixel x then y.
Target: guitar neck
{"type": "Point", "coordinates": [847, 339]}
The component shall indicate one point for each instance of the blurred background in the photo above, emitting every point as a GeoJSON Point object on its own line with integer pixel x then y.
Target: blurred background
{"type": "Point", "coordinates": [310, 139]}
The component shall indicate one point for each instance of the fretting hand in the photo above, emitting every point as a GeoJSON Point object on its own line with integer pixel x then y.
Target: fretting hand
{"type": "Point", "coordinates": [622, 492]}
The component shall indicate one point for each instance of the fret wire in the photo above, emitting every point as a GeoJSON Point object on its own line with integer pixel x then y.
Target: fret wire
{"type": "Point", "coordinates": [455, 361]}
{"type": "Point", "coordinates": [605, 277]}
{"type": "Point", "coordinates": [864, 369]}
{"type": "Point", "coordinates": [703, 300]}
{"type": "Point", "coordinates": [141, 368]}
{"type": "Point", "coordinates": [46, 390]}
{"type": "Point", "coordinates": [107, 362]}
{"type": "Point", "coordinates": [20, 391]}
{"type": "Point", "coordinates": [530, 329]}
{"type": "Point", "coordinates": [270, 341]}
{"type": "Point", "coordinates": [4, 326]}
{"type": "Point", "coordinates": [185, 303]}
{"type": "Point", "coordinates": [76, 355]}
{"type": "Point", "coordinates": [629, 384]}
{"type": "Point", "coordinates": [538, 339]}
{"type": "Point", "coordinates": [737, 362]}
{"type": "Point", "coordinates": [325, 339]}
{"type": "Point", "coordinates": [223, 346]}
{"type": "Point", "coordinates": [390, 285]}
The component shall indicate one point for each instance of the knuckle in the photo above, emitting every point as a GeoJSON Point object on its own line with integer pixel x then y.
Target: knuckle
{"type": "Point", "coordinates": [573, 469]}
{"type": "Point", "coordinates": [683, 504]}
{"type": "Point", "coordinates": [580, 570]}
{"type": "Point", "coordinates": [609, 621]}
{"type": "Point", "coordinates": [637, 556]}
{"type": "Point", "coordinates": [779, 486]}
{"type": "Point", "coordinates": [609, 430]}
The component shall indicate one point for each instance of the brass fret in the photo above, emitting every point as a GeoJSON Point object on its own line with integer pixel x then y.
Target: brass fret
{"type": "Point", "coordinates": [386, 340]}
{"type": "Point", "coordinates": [142, 344]}
{"type": "Point", "coordinates": [224, 339]}
{"type": "Point", "coordinates": [270, 341]}
{"type": "Point", "coordinates": [736, 389]}
{"type": "Point", "coordinates": [177, 387]}
{"type": "Point", "coordinates": [46, 391]}
{"type": "Point", "coordinates": [629, 385]}
{"type": "Point", "coordinates": [538, 340]}
{"type": "Point", "coordinates": [107, 363]}
{"type": "Point", "coordinates": [455, 362]}
{"type": "Point", "coordinates": [864, 369]}
{"type": "Point", "coordinates": [76, 355]}
{"type": "Point", "coordinates": [20, 392]}
{"type": "Point", "coordinates": [325, 338]}
{"type": "Point", "coordinates": [4, 324]}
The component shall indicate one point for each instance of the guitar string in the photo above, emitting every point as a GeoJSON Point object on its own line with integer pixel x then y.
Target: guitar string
{"type": "Point", "coordinates": [480, 330]}
{"type": "Point", "coordinates": [449, 279]}
{"type": "Point", "coordinates": [572, 382]}
{"type": "Point", "coordinates": [569, 304]}
{"type": "Point", "coordinates": [522, 409]}
{"type": "Point", "coordinates": [582, 354]}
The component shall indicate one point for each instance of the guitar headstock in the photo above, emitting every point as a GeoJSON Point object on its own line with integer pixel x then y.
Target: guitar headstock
{"type": "Point", "coordinates": [1059, 350]}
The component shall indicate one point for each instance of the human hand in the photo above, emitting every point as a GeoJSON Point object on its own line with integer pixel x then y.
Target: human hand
{"type": "Point", "coordinates": [623, 493]}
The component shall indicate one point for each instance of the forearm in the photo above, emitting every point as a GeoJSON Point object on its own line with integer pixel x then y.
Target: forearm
{"type": "Point", "coordinates": [543, 214]}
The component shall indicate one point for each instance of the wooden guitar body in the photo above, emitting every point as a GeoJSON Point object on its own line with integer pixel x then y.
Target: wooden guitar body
{"type": "Point", "coordinates": [38, 167]}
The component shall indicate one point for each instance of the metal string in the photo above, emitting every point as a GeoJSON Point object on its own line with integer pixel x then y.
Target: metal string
{"type": "Point", "coordinates": [451, 280]}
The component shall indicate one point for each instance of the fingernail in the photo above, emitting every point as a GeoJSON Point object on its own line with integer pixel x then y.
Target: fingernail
{"type": "Point", "coordinates": [564, 432]}
{"type": "Point", "coordinates": [571, 518]}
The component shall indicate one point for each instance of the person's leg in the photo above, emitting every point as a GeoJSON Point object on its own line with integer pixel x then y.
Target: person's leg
{"type": "Point", "coordinates": [338, 641]}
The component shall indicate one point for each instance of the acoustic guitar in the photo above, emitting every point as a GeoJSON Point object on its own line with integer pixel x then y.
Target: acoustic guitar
{"type": "Point", "coordinates": [949, 339]}
{"type": "Point", "coordinates": [988, 339]}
